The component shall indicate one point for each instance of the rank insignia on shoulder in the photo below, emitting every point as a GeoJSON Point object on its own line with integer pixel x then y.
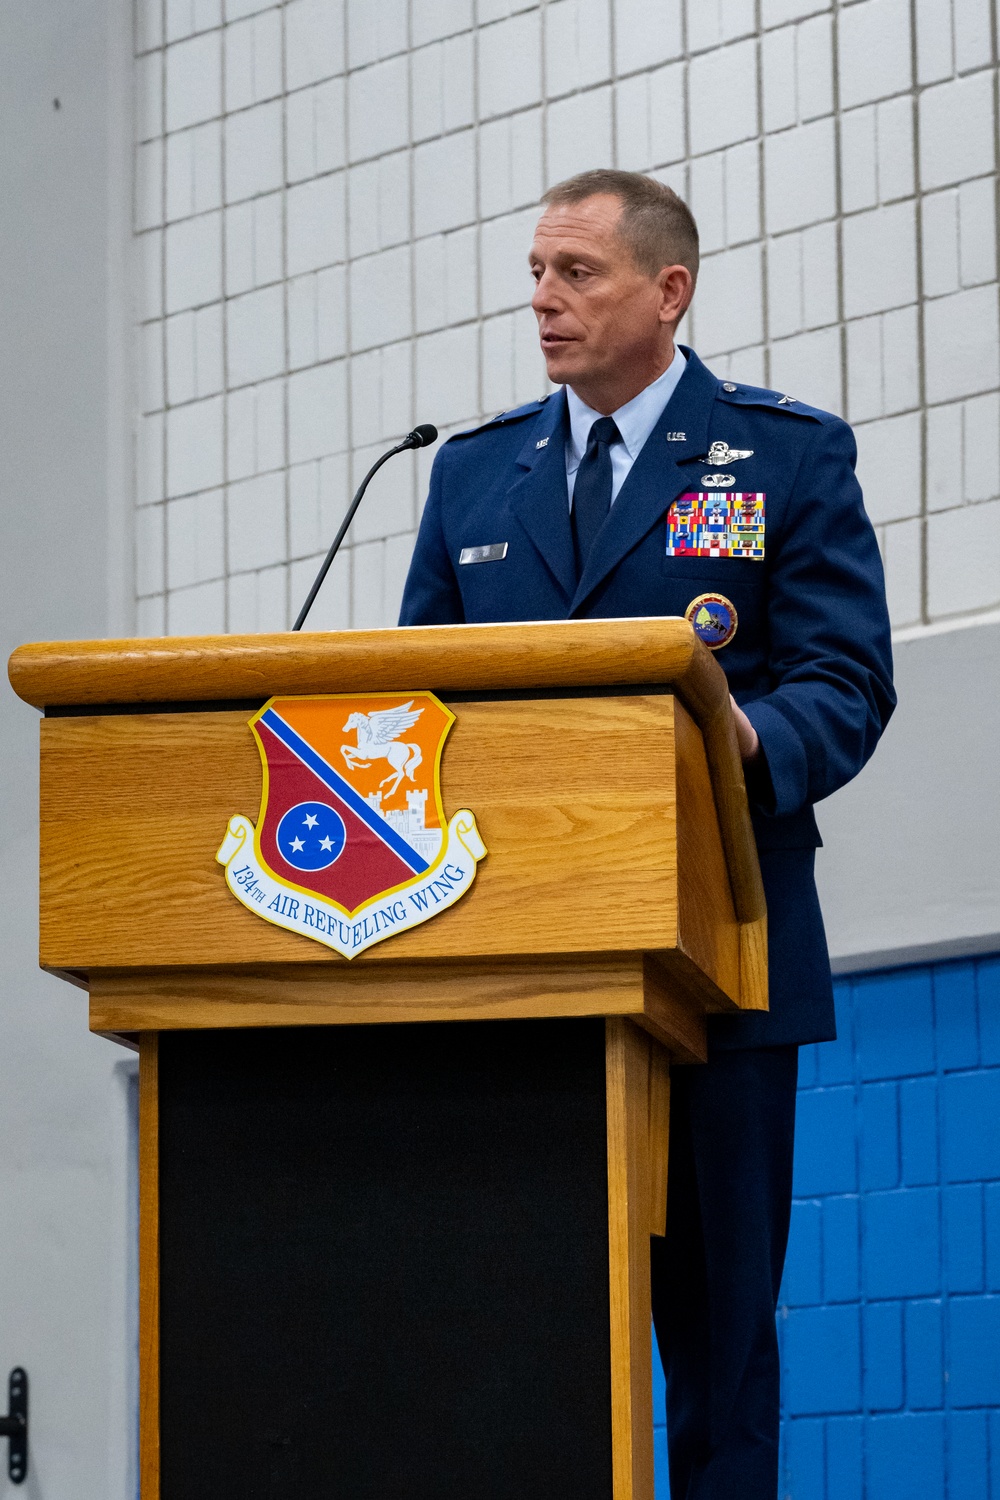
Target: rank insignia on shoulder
{"type": "Point", "coordinates": [713, 525]}
{"type": "Point", "coordinates": [491, 552]}
{"type": "Point", "coordinates": [714, 619]}
{"type": "Point", "coordinates": [786, 400]}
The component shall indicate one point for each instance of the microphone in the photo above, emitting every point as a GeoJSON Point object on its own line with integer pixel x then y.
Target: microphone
{"type": "Point", "coordinates": [420, 437]}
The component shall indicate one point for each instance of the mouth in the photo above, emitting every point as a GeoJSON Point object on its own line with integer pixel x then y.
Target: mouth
{"type": "Point", "coordinates": [550, 340]}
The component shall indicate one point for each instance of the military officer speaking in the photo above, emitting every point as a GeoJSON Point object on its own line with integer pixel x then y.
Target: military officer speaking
{"type": "Point", "coordinates": [648, 486]}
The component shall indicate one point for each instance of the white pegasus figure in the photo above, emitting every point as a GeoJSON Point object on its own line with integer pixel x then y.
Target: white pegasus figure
{"type": "Point", "coordinates": [378, 739]}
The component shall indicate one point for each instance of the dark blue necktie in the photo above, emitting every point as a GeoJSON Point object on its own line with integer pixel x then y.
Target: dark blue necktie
{"type": "Point", "coordinates": [592, 490]}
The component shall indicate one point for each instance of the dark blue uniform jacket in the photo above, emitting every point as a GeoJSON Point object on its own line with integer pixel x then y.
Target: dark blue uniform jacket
{"type": "Point", "coordinates": [810, 662]}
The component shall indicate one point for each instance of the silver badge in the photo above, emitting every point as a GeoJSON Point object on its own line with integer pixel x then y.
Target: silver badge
{"type": "Point", "coordinates": [721, 454]}
{"type": "Point", "coordinates": [728, 387]}
{"type": "Point", "coordinates": [542, 443]}
{"type": "Point", "coordinates": [492, 552]}
{"type": "Point", "coordinates": [718, 481]}
{"type": "Point", "coordinates": [676, 437]}
{"type": "Point", "coordinates": [786, 400]}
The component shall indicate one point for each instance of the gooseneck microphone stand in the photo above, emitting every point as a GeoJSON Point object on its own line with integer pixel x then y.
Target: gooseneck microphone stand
{"type": "Point", "coordinates": [420, 437]}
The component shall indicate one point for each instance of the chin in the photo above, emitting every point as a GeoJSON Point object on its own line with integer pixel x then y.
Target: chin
{"type": "Point", "coordinates": [560, 365]}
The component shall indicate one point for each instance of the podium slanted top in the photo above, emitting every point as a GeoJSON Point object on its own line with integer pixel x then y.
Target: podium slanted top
{"type": "Point", "coordinates": [655, 651]}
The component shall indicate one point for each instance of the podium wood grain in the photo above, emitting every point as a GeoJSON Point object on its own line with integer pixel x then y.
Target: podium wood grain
{"type": "Point", "coordinates": [630, 1151]}
{"type": "Point", "coordinates": [560, 654]}
{"type": "Point", "coordinates": [149, 1269]}
{"type": "Point", "coordinates": [600, 760]}
{"type": "Point", "coordinates": [134, 807]}
{"type": "Point", "coordinates": [124, 1002]}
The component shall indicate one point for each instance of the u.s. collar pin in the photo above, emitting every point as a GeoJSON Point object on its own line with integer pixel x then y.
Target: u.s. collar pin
{"type": "Point", "coordinates": [542, 443]}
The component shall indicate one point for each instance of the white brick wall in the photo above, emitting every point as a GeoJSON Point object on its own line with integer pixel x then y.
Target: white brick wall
{"type": "Point", "coordinates": [332, 204]}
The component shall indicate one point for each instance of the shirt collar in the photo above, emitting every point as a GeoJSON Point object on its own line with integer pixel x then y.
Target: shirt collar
{"type": "Point", "coordinates": [635, 420]}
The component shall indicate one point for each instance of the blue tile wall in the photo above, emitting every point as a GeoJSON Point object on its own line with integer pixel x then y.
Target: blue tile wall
{"type": "Point", "coordinates": [890, 1315]}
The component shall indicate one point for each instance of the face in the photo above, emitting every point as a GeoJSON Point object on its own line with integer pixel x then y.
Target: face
{"type": "Point", "coordinates": [602, 320]}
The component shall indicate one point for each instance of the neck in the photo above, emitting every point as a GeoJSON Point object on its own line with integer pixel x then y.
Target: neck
{"type": "Point", "coordinates": [610, 393]}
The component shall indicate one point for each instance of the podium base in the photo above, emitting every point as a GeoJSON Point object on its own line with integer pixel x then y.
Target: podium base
{"type": "Point", "coordinates": [384, 1262]}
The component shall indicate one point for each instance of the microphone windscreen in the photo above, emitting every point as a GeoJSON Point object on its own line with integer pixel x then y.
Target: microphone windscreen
{"type": "Point", "coordinates": [426, 434]}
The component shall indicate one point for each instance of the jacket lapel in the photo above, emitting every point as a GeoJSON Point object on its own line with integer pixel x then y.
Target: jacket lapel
{"type": "Point", "coordinates": [656, 478]}
{"type": "Point", "coordinates": [539, 498]}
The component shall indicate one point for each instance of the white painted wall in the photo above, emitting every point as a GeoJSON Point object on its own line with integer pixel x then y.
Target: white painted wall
{"type": "Point", "coordinates": [333, 203]}
{"type": "Point", "coordinates": [910, 868]}
{"type": "Point", "coordinates": [65, 1225]}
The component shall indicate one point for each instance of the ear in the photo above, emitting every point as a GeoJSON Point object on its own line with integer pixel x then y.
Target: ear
{"type": "Point", "coordinates": [676, 286]}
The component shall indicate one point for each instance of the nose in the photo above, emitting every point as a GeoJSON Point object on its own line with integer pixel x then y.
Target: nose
{"type": "Point", "coordinates": [545, 298]}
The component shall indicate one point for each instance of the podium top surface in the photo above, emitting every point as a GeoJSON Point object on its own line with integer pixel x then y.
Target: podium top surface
{"type": "Point", "coordinates": [655, 651]}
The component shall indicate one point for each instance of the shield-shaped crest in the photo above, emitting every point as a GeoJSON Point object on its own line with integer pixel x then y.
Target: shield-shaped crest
{"type": "Point", "coordinates": [351, 844]}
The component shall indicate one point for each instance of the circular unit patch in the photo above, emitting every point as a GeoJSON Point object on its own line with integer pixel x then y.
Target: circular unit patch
{"type": "Point", "coordinates": [311, 836]}
{"type": "Point", "coordinates": [714, 619]}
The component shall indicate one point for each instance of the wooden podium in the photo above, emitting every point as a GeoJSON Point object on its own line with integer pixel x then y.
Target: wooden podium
{"type": "Point", "coordinates": [386, 1256]}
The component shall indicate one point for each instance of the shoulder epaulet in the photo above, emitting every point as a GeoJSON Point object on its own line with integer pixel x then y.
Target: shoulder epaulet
{"type": "Point", "coordinates": [756, 395]}
{"type": "Point", "coordinates": [502, 418]}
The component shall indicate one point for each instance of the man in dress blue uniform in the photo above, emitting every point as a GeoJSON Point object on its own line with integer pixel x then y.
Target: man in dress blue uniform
{"type": "Point", "coordinates": [648, 486]}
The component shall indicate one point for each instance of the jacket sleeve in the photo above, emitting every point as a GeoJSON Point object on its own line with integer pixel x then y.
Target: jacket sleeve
{"type": "Point", "coordinates": [431, 595]}
{"type": "Point", "coordinates": [830, 656]}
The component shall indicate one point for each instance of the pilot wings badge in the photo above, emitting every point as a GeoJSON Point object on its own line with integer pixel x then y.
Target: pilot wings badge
{"type": "Point", "coordinates": [720, 454]}
{"type": "Point", "coordinates": [351, 844]}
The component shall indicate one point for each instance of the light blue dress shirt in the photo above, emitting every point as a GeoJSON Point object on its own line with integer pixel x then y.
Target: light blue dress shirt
{"type": "Point", "coordinates": [635, 421]}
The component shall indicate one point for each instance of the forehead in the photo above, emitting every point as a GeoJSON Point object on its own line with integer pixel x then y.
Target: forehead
{"type": "Point", "coordinates": [568, 228]}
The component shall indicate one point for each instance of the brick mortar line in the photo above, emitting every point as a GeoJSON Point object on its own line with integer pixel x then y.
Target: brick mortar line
{"type": "Point", "coordinates": [348, 560]}
{"type": "Point", "coordinates": [924, 581]}
{"type": "Point", "coordinates": [164, 474]}
{"type": "Point", "coordinates": [838, 190]}
{"type": "Point", "coordinates": [286, 335]}
{"type": "Point", "coordinates": [223, 282]}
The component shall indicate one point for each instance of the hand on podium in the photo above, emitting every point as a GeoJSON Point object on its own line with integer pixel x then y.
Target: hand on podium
{"type": "Point", "coordinates": [746, 734]}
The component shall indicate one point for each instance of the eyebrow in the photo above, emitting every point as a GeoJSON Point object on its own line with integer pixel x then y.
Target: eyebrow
{"type": "Point", "coordinates": [587, 257]}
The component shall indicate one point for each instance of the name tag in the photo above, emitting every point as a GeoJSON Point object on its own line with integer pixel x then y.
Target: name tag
{"type": "Point", "coordinates": [714, 525]}
{"type": "Point", "coordinates": [492, 552]}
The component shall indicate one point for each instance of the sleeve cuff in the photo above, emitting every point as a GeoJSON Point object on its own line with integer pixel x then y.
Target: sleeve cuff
{"type": "Point", "coordinates": [785, 755]}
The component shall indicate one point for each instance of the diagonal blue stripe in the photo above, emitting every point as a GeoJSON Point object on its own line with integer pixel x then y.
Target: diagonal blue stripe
{"type": "Point", "coordinates": [322, 768]}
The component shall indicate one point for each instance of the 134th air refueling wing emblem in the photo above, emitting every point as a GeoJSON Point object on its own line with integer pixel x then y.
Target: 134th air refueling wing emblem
{"type": "Point", "coordinates": [351, 844]}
